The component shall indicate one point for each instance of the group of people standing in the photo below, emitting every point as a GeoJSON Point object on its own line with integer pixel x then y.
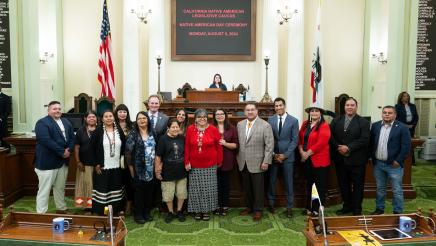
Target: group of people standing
{"type": "Point", "coordinates": [135, 166]}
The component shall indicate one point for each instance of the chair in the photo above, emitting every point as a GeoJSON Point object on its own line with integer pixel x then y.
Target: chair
{"type": "Point", "coordinates": [186, 87]}
{"type": "Point", "coordinates": [340, 104]}
{"type": "Point", "coordinates": [103, 104]}
{"type": "Point", "coordinates": [82, 103]}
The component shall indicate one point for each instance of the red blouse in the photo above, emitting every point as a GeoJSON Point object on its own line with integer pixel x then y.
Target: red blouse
{"type": "Point", "coordinates": [210, 153]}
{"type": "Point", "coordinates": [318, 142]}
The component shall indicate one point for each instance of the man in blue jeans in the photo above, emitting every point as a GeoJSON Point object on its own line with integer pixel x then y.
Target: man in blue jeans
{"type": "Point", "coordinates": [285, 130]}
{"type": "Point", "coordinates": [390, 145]}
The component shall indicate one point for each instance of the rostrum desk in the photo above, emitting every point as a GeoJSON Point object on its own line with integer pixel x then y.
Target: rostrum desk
{"type": "Point", "coordinates": [20, 228]}
{"type": "Point", "coordinates": [424, 229]}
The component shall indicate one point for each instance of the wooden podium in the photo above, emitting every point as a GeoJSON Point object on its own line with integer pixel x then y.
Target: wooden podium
{"type": "Point", "coordinates": [422, 235]}
{"type": "Point", "coordinates": [212, 96]}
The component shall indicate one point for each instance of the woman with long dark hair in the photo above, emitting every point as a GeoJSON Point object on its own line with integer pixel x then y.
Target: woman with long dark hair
{"type": "Point", "coordinates": [406, 112]}
{"type": "Point", "coordinates": [83, 156]}
{"type": "Point", "coordinates": [229, 141]}
{"type": "Point", "coordinates": [140, 154]}
{"type": "Point", "coordinates": [122, 118]}
{"type": "Point", "coordinates": [182, 119]}
{"type": "Point", "coordinates": [218, 82]}
{"type": "Point", "coordinates": [108, 146]}
{"type": "Point", "coordinates": [313, 146]}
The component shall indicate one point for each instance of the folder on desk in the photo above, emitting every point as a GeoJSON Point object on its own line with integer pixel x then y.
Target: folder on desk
{"type": "Point", "coordinates": [359, 237]}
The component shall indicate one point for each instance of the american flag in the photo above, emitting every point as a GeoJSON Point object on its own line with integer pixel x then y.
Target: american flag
{"type": "Point", "coordinates": [106, 70]}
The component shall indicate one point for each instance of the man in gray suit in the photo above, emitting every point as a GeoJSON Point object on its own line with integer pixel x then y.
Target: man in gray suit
{"type": "Point", "coordinates": [158, 120]}
{"type": "Point", "coordinates": [285, 130]}
{"type": "Point", "coordinates": [256, 144]}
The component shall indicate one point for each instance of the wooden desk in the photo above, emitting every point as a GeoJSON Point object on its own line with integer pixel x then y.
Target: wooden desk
{"type": "Point", "coordinates": [345, 223]}
{"type": "Point", "coordinates": [235, 109]}
{"type": "Point", "coordinates": [17, 174]}
{"type": "Point", "coordinates": [212, 96]}
{"type": "Point", "coordinates": [31, 228]}
{"type": "Point", "coordinates": [409, 192]}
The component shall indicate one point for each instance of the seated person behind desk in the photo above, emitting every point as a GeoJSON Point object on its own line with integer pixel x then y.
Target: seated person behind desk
{"type": "Point", "coordinates": [218, 82]}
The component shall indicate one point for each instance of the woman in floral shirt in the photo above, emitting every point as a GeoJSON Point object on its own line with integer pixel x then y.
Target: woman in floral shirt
{"type": "Point", "coordinates": [139, 155]}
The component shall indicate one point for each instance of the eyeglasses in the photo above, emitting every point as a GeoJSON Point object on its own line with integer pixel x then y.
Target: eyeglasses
{"type": "Point", "coordinates": [142, 118]}
{"type": "Point", "coordinates": [202, 117]}
{"type": "Point", "coordinates": [219, 114]}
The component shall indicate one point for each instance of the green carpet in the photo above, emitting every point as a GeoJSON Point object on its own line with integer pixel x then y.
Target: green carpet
{"type": "Point", "coordinates": [241, 230]}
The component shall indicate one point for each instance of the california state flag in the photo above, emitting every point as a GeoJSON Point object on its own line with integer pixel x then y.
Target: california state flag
{"type": "Point", "coordinates": [316, 74]}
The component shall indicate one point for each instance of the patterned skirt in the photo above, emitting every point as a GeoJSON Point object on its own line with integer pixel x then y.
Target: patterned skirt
{"type": "Point", "coordinates": [203, 190]}
{"type": "Point", "coordinates": [108, 189]}
{"type": "Point", "coordinates": [83, 192]}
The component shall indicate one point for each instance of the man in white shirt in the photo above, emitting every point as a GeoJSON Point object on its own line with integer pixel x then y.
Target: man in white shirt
{"type": "Point", "coordinates": [158, 119]}
{"type": "Point", "coordinates": [285, 130]}
{"type": "Point", "coordinates": [256, 143]}
{"type": "Point", "coordinates": [54, 144]}
{"type": "Point", "coordinates": [390, 145]}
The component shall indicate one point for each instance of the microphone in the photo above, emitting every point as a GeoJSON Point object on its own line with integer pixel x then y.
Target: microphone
{"type": "Point", "coordinates": [321, 221]}
{"type": "Point", "coordinates": [111, 226]}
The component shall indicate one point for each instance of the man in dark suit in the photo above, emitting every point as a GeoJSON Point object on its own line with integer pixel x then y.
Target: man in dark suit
{"type": "Point", "coordinates": [349, 144]}
{"type": "Point", "coordinates": [256, 144]}
{"type": "Point", "coordinates": [158, 119]}
{"type": "Point", "coordinates": [5, 110]}
{"type": "Point", "coordinates": [54, 144]}
{"type": "Point", "coordinates": [285, 130]}
{"type": "Point", "coordinates": [390, 144]}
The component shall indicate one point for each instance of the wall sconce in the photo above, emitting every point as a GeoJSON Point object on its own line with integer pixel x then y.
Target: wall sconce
{"type": "Point", "coordinates": [141, 13]}
{"type": "Point", "coordinates": [380, 58]}
{"type": "Point", "coordinates": [45, 57]}
{"type": "Point", "coordinates": [286, 14]}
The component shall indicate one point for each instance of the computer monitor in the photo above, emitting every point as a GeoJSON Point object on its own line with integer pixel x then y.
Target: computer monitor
{"type": "Point", "coordinates": [166, 96]}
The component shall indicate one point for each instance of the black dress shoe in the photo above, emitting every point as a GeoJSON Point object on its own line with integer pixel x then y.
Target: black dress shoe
{"type": "Point", "coordinates": [378, 212]}
{"type": "Point", "coordinates": [314, 214]}
{"type": "Point", "coordinates": [343, 212]}
{"type": "Point", "coordinates": [289, 214]}
{"type": "Point", "coordinates": [305, 211]}
{"type": "Point", "coordinates": [148, 218]}
{"type": "Point", "coordinates": [170, 216]}
{"type": "Point", "coordinates": [181, 216]}
{"type": "Point", "coordinates": [139, 221]}
{"type": "Point", "coordinates": [271, 209]}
